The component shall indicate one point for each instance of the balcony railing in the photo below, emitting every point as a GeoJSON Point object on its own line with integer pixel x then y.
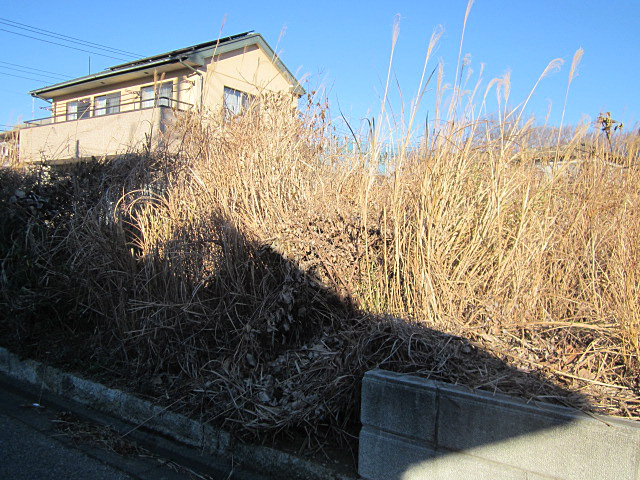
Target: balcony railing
{"type": "Point", "coordinates": [137, 105]}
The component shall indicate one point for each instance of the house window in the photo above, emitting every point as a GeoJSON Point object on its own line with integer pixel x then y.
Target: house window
{"type": "Point", "coordinates": [236, 101]}
{"type": "Point", "coordinates": [106, 104]}
{"type": "Point", "coordinates": [78, 109]}
{"type": "Point", "coordinates": [156, 95]}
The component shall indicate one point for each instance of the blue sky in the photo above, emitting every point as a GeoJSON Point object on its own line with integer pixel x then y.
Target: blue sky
{"type": "Point", "coordinates": [344, 47]}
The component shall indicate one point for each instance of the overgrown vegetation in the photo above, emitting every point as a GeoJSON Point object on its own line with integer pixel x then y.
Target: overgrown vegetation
{"type": "Point", "coordinates": [253, 270]}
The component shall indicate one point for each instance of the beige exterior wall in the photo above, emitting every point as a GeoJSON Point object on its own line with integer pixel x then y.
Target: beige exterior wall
{"type": "Point", "coordinates": [182, 82]}
{"type": "Point", "coordinates": [248, 69]}
{"type": "Point", "coordinates": [92, 137]}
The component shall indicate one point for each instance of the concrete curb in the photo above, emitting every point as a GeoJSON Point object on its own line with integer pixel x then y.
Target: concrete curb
{"type": "Point", "coordinates": [143, 414]}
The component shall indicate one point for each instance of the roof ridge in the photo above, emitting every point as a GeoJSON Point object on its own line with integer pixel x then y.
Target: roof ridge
{"type": "Point", "coordinates": [179, 51]}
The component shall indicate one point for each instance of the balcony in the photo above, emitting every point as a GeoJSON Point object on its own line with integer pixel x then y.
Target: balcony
{"type": "Point", "coordinates": [70, 137]}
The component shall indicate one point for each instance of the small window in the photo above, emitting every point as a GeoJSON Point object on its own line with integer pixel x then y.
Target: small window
{"type": "Point", "coordinates": [236, 101]}
{"type": "Point", "coordinates": [146, 96]}
{"type": "Point", "coordinates": [106, 104]}
{"type": "Point", "coordinates": [78, 109]}
{"type": "Point", "coordinates": [156, 95]}
{"type": "Point", "coordinates": [165, 94]}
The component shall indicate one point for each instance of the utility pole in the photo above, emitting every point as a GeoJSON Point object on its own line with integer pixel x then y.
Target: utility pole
{"type": "Point", "coordinates": [89, 64]}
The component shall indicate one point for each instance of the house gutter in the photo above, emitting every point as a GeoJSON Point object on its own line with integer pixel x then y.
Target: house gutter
{"type": "Point", "coordinates": [41, 98]}
{"type": "Point", "coordinates": [98, 76]}
{"type": "Point", "coordinates": [199, 73]}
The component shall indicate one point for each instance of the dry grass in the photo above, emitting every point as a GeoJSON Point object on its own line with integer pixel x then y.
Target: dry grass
{"type": "Point", "coordinates": [251, 273]}
{"type": "Point", "coordinates": [104, 437]}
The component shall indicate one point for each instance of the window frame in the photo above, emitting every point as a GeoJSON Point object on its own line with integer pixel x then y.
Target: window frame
{"type": "Point", "coordinates": [74, 115]}
{"type": "Point", "coordinates": [157, 98]}
{"type": "Point", "coordinates": [164, 96]}
{"type": "Point", "coordinates": [107, 109]}
{"type": "Point", "coordinates": [246, 100]}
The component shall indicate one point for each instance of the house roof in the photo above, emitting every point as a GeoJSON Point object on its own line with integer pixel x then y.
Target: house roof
{"type": "Point", "coordinates": [193, 56]}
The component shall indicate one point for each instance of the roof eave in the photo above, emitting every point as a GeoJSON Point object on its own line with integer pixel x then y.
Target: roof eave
{"type": "Point", "coordinates": [41, 92]}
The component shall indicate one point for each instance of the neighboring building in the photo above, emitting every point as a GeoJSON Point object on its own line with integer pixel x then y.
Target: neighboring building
{"type": "Point", "coordinates": [8, 147]}
{"type": "Point", "coordinates": [115, 111]}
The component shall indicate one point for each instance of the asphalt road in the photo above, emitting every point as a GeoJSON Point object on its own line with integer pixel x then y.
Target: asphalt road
{"type": "Point", "coordinates": [44, 442]}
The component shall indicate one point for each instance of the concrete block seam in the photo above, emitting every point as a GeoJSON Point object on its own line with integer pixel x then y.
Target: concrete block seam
{"type": "Point", "coordinates": [115, 402]}
{"type": "Point", "coordinates": [409, 438]}
{"type": "Point", "coordinates": [368, 459]}
{"type": "Point", "coordinates": [379, 458]}
{"type": "Point", "coordinates": [412, 405]}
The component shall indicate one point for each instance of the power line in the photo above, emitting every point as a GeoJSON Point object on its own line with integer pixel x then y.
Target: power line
{"type": "Point", "coordinates": [5, 91]}
{"type": "Point", "coordinates": [63, 45]}
{"type": "Point", "coordinates": [44, 75]}
{"type": "Point", "coordinates": [26, 78]}
{"type": "Point", "coordinates": [67, 38]}
{"type": "Point", "coordinates": [35, 69]}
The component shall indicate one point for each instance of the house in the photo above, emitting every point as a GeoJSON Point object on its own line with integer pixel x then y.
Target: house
{"type": "Point", "coordinates": [117, 110]}
{"type": "Point", "coordinates": [8, 150]}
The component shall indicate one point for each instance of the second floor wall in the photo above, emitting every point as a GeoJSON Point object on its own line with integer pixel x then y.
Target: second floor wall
{"type": "Point", "coordinates": [225, 80]}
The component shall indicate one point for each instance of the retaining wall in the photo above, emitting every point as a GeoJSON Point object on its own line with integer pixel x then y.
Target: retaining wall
{"type": "Point", "coordinates": [422, 429]}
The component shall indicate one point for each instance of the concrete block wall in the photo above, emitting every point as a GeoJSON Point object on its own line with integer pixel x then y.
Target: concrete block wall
{"type": "Point", "coordinates": [422, 429]}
